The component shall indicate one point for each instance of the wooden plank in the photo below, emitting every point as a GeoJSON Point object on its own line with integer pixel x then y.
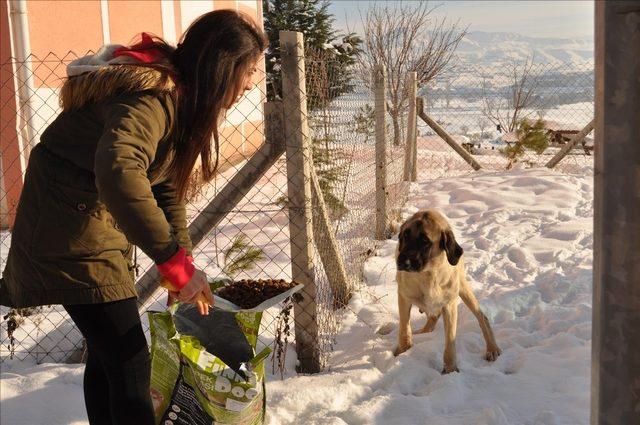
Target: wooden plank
{"type": "Point", "coordinates": [380, 89]}
{"type": "Point", "coordinates": [445, 136]}
{"type": "Point", "coordinates": [231, 194]}
{"type": "Point", "coordinates": [328, 247]}
{"type": "Point", "coordinates": [615, 350]}
{"type": "Point", "coordinates": [577, 138]}
{"type": "Point", "coordinates": [298, 152]}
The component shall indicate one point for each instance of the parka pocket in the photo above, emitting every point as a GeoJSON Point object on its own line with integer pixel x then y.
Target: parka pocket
{"type": "Point", "coordinates": [73, 224]}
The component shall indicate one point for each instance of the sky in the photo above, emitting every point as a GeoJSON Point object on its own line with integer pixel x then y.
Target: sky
{"type": "Point", "coordinates": [557, 19]}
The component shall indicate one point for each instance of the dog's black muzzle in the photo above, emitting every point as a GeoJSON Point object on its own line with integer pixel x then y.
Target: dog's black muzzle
{"type": "Point", "coordinates": [406, 263]}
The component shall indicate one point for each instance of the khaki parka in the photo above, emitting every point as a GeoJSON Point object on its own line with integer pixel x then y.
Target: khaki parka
{"type": "Point", "coordinates": [96, 184]}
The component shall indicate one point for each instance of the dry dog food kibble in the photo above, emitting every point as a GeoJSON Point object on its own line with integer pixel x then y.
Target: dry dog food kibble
{"type": "Point", "coordinates": [248, 293]}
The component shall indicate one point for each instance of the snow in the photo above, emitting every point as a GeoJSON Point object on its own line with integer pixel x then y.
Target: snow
{"type": "Point", "coordinates": [527, 236]}
{"type": "Point", "coordinates": [46, 394]}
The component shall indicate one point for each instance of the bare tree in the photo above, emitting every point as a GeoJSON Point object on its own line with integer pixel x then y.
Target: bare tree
{"type": "Point", "coordinates": [449, 80]}
{"type": "Point", "coordinates": [405, 38]}
{"type": "Point", "coordinates": [482, 125]}
{"type": "Point", "coordinates": [514, 102]}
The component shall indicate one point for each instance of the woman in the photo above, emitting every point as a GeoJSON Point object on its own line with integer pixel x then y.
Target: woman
{"type": "Point", "coordinates": [111, 171]}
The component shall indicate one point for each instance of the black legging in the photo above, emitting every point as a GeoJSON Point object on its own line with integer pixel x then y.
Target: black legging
{"type": "Point", "coordinates": [118, 370]}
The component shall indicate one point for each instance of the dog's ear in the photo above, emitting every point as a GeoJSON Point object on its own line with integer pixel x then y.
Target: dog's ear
{"type": "Point", "coordinates": [450, 246]}
{"type": "Point", "coordinates": [401, 236]}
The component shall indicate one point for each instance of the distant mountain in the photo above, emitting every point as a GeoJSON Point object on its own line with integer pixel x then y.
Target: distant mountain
{"type": "Point", "coordinates": [494, 47]}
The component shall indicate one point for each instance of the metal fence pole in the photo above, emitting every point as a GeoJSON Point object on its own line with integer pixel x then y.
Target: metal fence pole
{"type": "Point", "coordinates": [380, 89]}
{"type": "Point", "coordinates": [410, 145]}
{"type": "Point", "coordinates": [615, 352]}
{"type": "Point", "coordinates": [299, 165]}
{"type": "Point", "coordinates": [19, 20]}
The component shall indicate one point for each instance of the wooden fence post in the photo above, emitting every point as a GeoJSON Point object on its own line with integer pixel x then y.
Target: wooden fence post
{"type": "Point", "coordinates": [299, 194]}
{"type": "Point", "coordinates": [570, 144]}
{"type": "Point", "coordinates": [328, 247]}
{"type": "Point", "coordinates": [410, 145]}
{"type": "Point", "coordinates": [615, 352]}
{"type": "Point", "coordinates": [380, 89]}
{"type": "Point", "coordinates": [414, 153]}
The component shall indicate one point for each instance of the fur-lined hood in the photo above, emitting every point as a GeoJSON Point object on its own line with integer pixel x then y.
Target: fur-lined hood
{"type": "Point", "coordinates": [98, 77]}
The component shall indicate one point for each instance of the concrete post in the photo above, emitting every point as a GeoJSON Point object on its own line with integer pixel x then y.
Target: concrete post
{"type": "Point", "coordinates": [615, 355]}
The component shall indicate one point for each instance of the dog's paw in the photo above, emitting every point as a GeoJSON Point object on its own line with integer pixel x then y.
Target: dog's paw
{"type": "Point", "coordinates": [449, 368]}
{"type": "Point", "coordinates": [492, 354]}
{"type": "Point", "coordinates": [401, 349]}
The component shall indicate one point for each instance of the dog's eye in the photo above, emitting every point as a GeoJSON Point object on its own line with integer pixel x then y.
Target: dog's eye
{"type": "Point", "coordinates": [424, 239]}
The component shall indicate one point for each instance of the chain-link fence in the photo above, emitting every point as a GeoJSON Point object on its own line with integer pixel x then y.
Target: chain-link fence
{"type": "Point", "coordinates": [259, 218]}
{"type": "Point", "coordinates": [344, 148]}
{"type": "Point", "coordinates": [251, 238]}
{"type": "Point", "coordinates": [29, 93]}
{"type": "Point", "coordinates": [483, 108]}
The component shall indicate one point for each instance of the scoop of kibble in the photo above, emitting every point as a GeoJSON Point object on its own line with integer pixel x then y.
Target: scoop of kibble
{"type": "Point", "coordinates": [248, 293]}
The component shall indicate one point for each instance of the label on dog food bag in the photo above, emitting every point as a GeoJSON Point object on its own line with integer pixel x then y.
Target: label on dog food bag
{"type": "Point", "coordinates": [189, 385]}
{"type": "Point", "coordinates": [204, 369]}
{"type": "Point", "coordinates": [184, 407]}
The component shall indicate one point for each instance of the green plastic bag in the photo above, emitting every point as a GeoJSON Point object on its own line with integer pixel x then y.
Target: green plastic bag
{"type": "Point", "coordinates": [204, 369]}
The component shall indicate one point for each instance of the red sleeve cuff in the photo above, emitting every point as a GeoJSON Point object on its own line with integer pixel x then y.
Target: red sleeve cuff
{"type": "Point", "coordinates": [178, 269]}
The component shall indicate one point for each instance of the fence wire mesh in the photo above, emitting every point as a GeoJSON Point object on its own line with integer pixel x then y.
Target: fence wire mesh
{"type": "Point", "coordinates": [253, 240]}
{"type": "Point", "coordinates": [342, 122]}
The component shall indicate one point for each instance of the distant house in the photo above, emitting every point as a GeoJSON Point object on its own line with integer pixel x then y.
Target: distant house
{"type": "Point", "coordinates": [469, 147]}
{"type": "Point", "coordinates": [460, 139]}
{"type": "Point", "coordinates": [559, 133]}
{"type": "Point", "coordinates": [509, 138]}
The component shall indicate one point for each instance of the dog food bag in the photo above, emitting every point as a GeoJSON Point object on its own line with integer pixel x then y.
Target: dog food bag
{"type": "Point", "coordinates": [204, 369]}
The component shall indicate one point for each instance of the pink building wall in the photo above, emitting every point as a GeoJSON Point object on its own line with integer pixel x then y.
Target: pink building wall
{"type": "Point", "coordinates": [57, 27]}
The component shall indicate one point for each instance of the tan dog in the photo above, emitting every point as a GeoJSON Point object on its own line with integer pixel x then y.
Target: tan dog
{"type": "Point", "coordinates": [431, 276]}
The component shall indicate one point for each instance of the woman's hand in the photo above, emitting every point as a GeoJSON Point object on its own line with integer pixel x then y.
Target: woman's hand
{"type": "Point", "coordinates": [198, 292]}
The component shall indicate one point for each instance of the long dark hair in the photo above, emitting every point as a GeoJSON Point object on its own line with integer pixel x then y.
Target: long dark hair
{"type": "Point", "coordinates": [208, 66]}
{"type": "Point", "coordinates": [210, 60]}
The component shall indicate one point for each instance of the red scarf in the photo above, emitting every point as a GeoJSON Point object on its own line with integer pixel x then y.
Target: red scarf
{"type": "Point", "coordinates": [145, 51]}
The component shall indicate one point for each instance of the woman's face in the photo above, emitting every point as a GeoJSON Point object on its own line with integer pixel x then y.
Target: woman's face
{"type": "Point", "coordinates": [246, 83]}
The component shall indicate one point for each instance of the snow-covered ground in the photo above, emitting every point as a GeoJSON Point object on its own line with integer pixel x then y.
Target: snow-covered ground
{"type": "Point", "coordinates": [527, 236]}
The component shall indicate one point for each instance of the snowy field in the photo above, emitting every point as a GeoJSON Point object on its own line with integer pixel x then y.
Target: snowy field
{"type": "Point", "coordinates": [527, 236]}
